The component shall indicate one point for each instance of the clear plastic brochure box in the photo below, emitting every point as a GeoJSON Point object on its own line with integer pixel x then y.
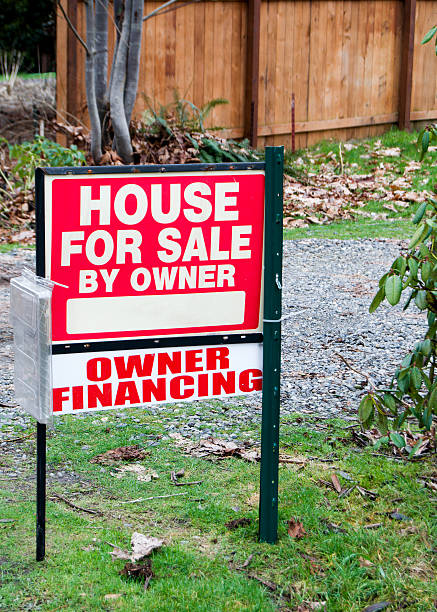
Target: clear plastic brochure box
{"type": "Point", "coordinates": [31, 321]}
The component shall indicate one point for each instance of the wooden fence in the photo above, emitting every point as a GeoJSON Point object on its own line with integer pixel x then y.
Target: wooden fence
{"type": "Point", "coordinates": [354, 66]}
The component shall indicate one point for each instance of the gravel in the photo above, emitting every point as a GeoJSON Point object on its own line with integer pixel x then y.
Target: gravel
{"type": "Point", "coordinates": [328, 286]}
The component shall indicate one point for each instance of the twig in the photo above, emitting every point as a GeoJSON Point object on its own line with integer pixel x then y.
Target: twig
{"type": "Point", "coordinates": [183, 484]}
{"type": "Point", "coordinates": [372, 526]}
{"type": "Point", "coordinates": [76, 507]}
{"type": "Point", "coordinates": [72, 28]}
{"type": "Point", "coordinates": [141, 499]}
{"type": "Point", "coordinates": [341, 161]}
{"type": "Point", "coordinates": [364, 374]}
{"type": "Point", "coordinates": [20, 438]}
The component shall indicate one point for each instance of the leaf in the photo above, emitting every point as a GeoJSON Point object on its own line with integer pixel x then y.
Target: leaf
{"type": "Point", "coordinates": [413, 267]}
{"type": "Point", "coordinates": [393, 289]}
{"type": "Point", "coordinates": [142, 546]}
{"type": "Point", "coordinates": [377, 300]}
{"type": "Point", "coordinates": [425, 270]}
{"type": "Point", "coordinates": [336, 483]}
{"type": "Point", "coordinates": [433, 399]}
{"type": "Point", "coordinates": [389, 402]}
{"type": "Point", "coordinates": [400, 265]}
{"type": "Point", "coordinates": [425, 144]}
{"type": "Point", "coordinates": [295, 529]}
{"type": "Point", "coordinates": [397, 439]}
{"type": "Point", "coordinates": [366, 408]}
{"type": "Point", "coordinates": [418, 235]}
{"type": "Point", "coordinates": [419, 213]}
{"type": "Point", "coordinates": [365, 562]}
{"type": "Point", "coordinates": [429, 35]}
{"type": "Point", "coordinates": [142, 572]}
{"type": "Point", "coordinates": [420, 300]}
{"type": "Point", "coordinates": [240, 522]}
{"type": "Point", "coordinates": [416, 377]}
{"type": "Point", "coordinates": [426, 347]}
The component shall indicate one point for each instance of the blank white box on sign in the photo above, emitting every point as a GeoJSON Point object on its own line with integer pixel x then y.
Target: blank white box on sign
{"type": "Point", "coordinates": [177, 310]}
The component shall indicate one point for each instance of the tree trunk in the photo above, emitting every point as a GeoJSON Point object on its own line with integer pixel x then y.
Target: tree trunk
{"type": "Point", "coordinates": [133, 58]}
{"type": "Point", "coordinates": [116, 92]}
{"type": "Point", "coordinates": [96, 131]}
{"type": "Point", "coordinates": [101, 58]}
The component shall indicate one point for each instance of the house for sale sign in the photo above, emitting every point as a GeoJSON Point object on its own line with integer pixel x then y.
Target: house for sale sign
{"type": "Point", "coordinates": [158, 283]}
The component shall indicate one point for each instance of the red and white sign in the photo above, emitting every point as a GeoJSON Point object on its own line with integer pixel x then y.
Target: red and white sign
{"type": "Point", "coordinates": [154, 255]}
{"type": "Point", "coordinates": [117, 379]}
{"type": "Point", "coordinates": [142, 256]}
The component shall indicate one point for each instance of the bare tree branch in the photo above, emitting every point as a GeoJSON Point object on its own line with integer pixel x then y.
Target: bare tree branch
{"type": "Point", "coordinates": [101, 55]}
{"type": "Point", "coordinates": [96, 129]}
{"type": "Point", "coordinates": [116, 92]}
{"type": "Point", "coordinates": [72, 28]}
{"type": "Point", "coordinates": [133, 58]}
{"type": "Point", "coordinates": [156, 11]}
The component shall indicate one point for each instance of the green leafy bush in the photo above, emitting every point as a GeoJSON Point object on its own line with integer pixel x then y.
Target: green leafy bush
{"type": "Point", "coordinates": [413, 390]}
{"type": "Point", "coordinates": [42, 152]}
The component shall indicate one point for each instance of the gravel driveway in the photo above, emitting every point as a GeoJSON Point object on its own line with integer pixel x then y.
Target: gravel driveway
{"type": "Point", "coordinates": [328, 286]}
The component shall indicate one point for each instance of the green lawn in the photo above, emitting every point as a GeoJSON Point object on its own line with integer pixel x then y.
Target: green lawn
{"type": "Point", "coordinates": [338, 561]}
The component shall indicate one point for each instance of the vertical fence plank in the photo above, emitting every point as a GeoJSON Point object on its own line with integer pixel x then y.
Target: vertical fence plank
{"type": "Point", "coordinates": [72, 93]}
{"type": "Point", "coordinates": [252, 71]}
{"type": "Point", "coordinates": [406, 78]}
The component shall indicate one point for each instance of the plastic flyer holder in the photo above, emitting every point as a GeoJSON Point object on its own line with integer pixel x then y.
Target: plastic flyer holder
{"type": "Point", "coordinates": [31, 321]}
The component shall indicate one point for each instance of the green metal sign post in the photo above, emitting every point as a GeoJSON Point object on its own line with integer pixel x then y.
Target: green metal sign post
{"type": "Point", "coordinates": [268, 509]}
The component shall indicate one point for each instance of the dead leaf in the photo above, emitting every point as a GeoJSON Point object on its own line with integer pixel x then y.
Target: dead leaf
{"type": "Point", "coordinates": [365, 562]}
{"type": "Point", "coordinates": [253, 500]}
{"type": "Point", "coordinates": [240, 522]}
{"type": "Point", "coordinates": [141, 572]}
{"type": "Point", "coordinates": [295, 529]}
{"type": "Point", "coordinates": [142, 546]}
{"type": "Point", "coordinates": [122, 453]}
{"type": "Point", "coordinates": [336, 483]}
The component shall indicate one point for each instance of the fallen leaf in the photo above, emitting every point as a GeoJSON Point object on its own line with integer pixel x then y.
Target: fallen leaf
{"type": "Point", "coordinates": [365, 562]}
{"type": "Point", "coordinates": [240, 522]}
{"type": "Point", "coordinates": [142, 572]}
{"type": "Point", "coordinates": [142, 546]}
{"type": "Point", "coordinates": [336, 483]}
{"type": "Point", "coordinates": [295, 529]}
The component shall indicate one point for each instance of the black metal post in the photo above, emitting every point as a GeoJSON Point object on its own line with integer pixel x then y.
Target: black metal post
{"type": "Point", "coordinates": [41, 430]}
{"type": "Point", "coordinates": [268, 512]}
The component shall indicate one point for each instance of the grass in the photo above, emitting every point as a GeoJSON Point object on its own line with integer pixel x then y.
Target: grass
{"type": "Point", "coordinates": [36, 75]}
{"type": "Point", "coordinates": [360, 160]}
{"type": "Point", "coordinates": [338, 562]}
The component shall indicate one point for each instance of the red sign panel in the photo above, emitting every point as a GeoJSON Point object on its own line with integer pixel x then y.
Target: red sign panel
{"type": "Point", "coordinates": [154, 255]}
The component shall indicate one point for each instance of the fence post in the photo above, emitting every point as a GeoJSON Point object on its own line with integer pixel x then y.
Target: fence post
{"type": "Point", "coordinates": [406, 74]}
{"type": "Point", "coordinates": [72, 90]}
{"type": "Point", "coordinates": [252, 71]}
